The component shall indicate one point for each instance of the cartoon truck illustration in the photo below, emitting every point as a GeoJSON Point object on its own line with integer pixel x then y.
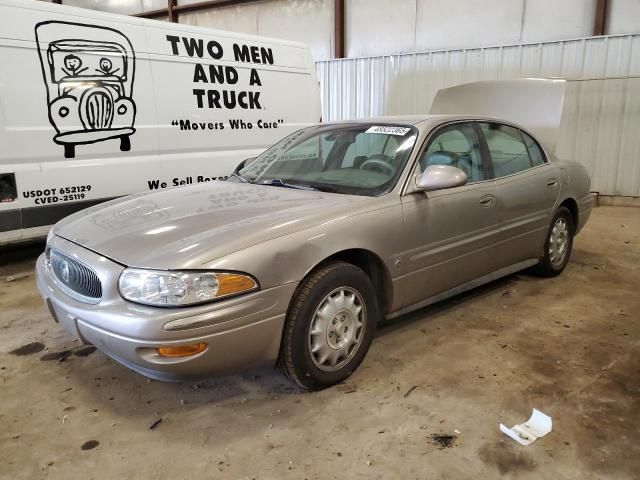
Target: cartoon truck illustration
{"type": "Point", "coordinates": [88, 71]}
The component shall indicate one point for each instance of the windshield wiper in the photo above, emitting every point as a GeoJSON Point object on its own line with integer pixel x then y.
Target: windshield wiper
{"type": "Point", "coordinates": [324, 188]}
{"type": "Point", "coordinates": [278, 182]}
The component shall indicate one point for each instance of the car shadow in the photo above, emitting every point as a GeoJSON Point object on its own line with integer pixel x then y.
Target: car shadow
{"type": "Point", "coordinates": [14, 257]}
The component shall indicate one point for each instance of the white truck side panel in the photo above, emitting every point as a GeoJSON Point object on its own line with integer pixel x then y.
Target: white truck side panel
{"type": "Point", "coordinates": [94, 106]}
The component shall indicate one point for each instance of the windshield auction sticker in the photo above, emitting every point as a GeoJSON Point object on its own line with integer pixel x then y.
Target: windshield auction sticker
{"type": "Point", "coordinates": [387, 130]}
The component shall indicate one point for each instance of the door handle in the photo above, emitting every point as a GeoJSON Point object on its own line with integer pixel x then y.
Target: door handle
{"type": "Point", "coordinates": [487, 200]}
{"type": "Point", "coordinates": [552, 182]}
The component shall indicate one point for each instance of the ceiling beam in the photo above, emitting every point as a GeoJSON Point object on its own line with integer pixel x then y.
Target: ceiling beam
{"type": "Point", "coordinates": [338, 28]}
{"type": "Point", "coordinates": [600, 20]}
{"type": "Point", "coordinates": [192, 7]}
{"type": "Point", "coordinates": [171, 4]}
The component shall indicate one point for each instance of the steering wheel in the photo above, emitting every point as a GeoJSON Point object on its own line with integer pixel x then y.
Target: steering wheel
{"type": "Point", "coordinates": [377, 165]}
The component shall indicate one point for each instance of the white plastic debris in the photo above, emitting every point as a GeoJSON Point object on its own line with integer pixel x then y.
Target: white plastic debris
{"type": "Point", "coordinates": [526, 433]}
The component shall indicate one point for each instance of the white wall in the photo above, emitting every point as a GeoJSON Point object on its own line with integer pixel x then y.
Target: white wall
{"type": "Point", "coordinates": [383, 27]}
{"type": "Point", "coordinates": [624, 16]}
{"type": "Point", "coordinates": [125, 7]}
{"type": "Point", "coordinates": [547, 20]}
{"type": "Point", "coordinates": [396, 26]}
{"type": "Point", "coordinates": [307, 21]}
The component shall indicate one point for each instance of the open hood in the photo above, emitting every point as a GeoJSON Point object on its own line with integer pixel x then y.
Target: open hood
{"type": "Point", "coordinates": [534, 103]}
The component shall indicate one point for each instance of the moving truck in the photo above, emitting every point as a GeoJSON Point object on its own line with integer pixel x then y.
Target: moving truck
{"type": "Point", "coordinates": [94, 106]}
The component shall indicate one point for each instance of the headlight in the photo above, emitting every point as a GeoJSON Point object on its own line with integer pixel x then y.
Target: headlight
{"type": "Point", "coordinates": [176, 289]}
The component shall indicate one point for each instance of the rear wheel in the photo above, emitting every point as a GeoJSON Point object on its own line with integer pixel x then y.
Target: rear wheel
{"type": "Point", "coordinates": [558, 246]}
{"type": "Point", "coordinates": [125, 143]}
{"type": "Point", "coordinates": [329, 326]}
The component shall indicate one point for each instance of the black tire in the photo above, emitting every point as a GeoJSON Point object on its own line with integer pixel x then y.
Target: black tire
{"type": "Point", "coordinates": [295, 358]}
{"type": "Point", "coordinates": [69, 150]}
{"type": "Point", "coordinates": [125, 143]}
{"type": "Point", "coordinates": [546, 267]}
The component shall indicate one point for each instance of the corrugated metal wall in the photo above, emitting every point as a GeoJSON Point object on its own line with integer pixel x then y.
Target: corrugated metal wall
{"type": "Point", "coordinates": [601, 117]}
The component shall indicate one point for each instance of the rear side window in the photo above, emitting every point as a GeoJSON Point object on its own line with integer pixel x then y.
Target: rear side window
{"type": "Point", "coordinates": [535, 152]}
{"type": "Point", "coordinates": [509, 153]}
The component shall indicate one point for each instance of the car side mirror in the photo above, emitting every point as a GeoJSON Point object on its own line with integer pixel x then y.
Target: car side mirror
{"type": "Point", "coordinates": [243, 164]}
{"type": "Point", "coordinates": [438, 177]}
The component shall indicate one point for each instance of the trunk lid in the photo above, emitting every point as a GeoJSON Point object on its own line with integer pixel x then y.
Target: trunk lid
{"type": "Point", "coordinates": [534, 103]}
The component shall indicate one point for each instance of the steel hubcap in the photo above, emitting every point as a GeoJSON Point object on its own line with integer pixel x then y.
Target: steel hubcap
{"type": "Point", "coordinates": [559, 242]}
{"type": "Point", "coordinates": [337, 329]}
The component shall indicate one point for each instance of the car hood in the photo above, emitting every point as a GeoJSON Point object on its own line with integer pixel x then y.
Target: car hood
{"type": "Point", "coordinates": [186, 227]}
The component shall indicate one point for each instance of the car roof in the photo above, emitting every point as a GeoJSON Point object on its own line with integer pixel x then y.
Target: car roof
{"type": "Point", "coordinates": [421, 122]}
{"type": "Point", "coordinates": [403, 119]}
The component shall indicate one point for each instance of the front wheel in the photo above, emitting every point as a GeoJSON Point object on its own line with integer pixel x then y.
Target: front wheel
{"type": "Point", "coordinates": [329, 327]}
{"type": "Point", "coordinates": [558, 246]}
{"type": "Point", "coordinates": [125, 143]}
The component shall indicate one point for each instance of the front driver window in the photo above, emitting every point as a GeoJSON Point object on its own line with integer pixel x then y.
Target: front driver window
{"type": "Point", "coordinates": [456, 145]}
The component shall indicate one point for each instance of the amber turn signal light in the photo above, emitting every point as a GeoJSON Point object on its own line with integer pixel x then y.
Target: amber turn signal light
{"type": "Point", "coordinates": [182, 350]}
{"type": "Point", "coordinates": [229, 283]}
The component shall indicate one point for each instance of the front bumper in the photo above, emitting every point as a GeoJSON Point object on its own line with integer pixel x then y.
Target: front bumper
{"type": "Point", "coordinates": [239, 332]}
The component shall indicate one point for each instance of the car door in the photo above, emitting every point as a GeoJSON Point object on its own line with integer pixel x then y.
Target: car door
{"type": "Point", "coordinates": [451, 233]}
{"type": "Point", "coordinates": [528, 187]}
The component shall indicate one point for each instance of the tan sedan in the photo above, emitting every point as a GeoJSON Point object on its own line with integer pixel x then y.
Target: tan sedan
{"type": "Point", "coordinates": [298, 256]}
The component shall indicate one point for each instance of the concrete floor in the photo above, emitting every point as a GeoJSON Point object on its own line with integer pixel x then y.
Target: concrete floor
{"type": "Point", "coordinates": [569, 346]}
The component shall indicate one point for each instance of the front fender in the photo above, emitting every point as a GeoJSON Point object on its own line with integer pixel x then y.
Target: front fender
{"type": "Point", "coordinates": [288, 259]}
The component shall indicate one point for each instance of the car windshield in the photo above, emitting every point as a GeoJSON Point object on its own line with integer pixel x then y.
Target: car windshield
{"type": "Point", "coordinates": [354, 159]}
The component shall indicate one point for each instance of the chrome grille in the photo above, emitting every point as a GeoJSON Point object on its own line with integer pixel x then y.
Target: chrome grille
{"type": "Point", "coordinates": [75, 276]}
{"type": "Point", "coordinates": [99, 110]}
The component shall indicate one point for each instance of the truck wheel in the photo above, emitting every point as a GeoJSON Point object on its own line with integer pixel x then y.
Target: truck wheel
{"type": "Point", "coordinates": [329, 326]}
{"type": "Point", "coordinates": [125, 143]}
{"type": "Point", "coordinates": [69, 150]}
{"type": "Point", "coordinates": [558, 246]}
